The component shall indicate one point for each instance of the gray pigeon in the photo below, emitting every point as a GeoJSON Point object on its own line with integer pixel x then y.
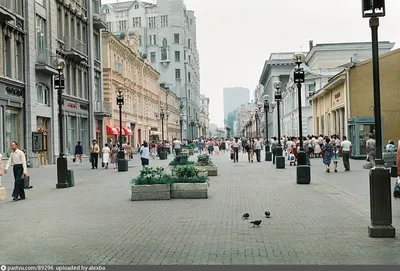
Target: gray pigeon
{"type": "Point", "coordinates": [246, 215]}
{"type": "Point", "coordinates": [256, 223]}
{"type": "Point", "coordinates": [267, 214]}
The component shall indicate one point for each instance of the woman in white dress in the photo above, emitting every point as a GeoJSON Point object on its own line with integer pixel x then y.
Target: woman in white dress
{"type": "Point", "coordinates": [317, 148]}
{"type": "Point", "coordinates": [106, 155]}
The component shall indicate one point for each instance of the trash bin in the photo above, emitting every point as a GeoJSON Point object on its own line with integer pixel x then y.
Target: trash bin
{"type": "Point", "coordinates": [70, 178]}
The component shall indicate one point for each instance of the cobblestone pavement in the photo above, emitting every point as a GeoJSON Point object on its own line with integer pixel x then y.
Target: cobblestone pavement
{"type": "Point", "coordinates": [96, 223]}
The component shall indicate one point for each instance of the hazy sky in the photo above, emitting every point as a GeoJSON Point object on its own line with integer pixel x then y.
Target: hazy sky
{"type": "Point", "coordinates": [235, 37]}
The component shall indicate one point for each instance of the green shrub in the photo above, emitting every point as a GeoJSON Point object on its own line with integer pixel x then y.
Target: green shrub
{"type": "Point", "coordinates": [187, 171]}
{"type": "Point", "coordinates": [204, 160]}
{"type": "Point", "coordinates": [151, 175]}
{"type": "Point", "coordinates": [181, 160]}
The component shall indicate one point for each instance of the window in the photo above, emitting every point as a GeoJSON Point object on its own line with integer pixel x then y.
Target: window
{"type": "Point", "coordinates": [189, 43]}
{"type": "Point", "coordinates": [153, 40]}
{"type": "Point", "coordinates": [12, 127]}
{"type": "Point", "coordinates": [140, 40]}
{"type": "Point", "coordinates": [40, 33]}
{"type": "Point", "coordinates": [107, 11]}
{"type": "Point", "coordinates": [177, 74]}
{"type": "Point", "coordinates": [73, 82]}
{"type": "Point", "coordinates": [177, 56]}
{"type": "Point", "coordinates": [176, 38]}
{"type": "Point", "coordinates": [96, 47]}
{"type": "Point", "coordinates": [137, 22]}
{"type": "Point", "coordinates": [78, 31]}
{"type": "Point", "coordinates": [71, 133]}
{"type": "Point", "coordinates": [189, 77]}
{"type": "Point", "coordinates": [19, 60]}
{"type": "Point", "coordinates": [190, 60]}
{"type": "Point", "coordinates": [59, 24]}
{"type": "Point", "coordinates": [109, 26]}
{"type": "Point", "coordinates": [7, 56]}
{"type": "Point", "coordinates": [189, 93]}
{"type": "Point", "coordinates": [84, 34]}
{"type": "Point", "coordinates": [191, 21]}
{"type": "Point", "coordinates": [164, 20]}
{"type": "Point", "coordinates": [136, 6]}
{"type": "Point", "coordinates": [42, 93]}
{"type": "Point", "coordinates": [152, 22]}
{"type": "Point", "coordinates": [84, 85]}
{"type": "Point", "coordinates": [153, 57]}
{"type": "Point", "coordinates": [121, 25]}
{"type": "Point", "coordinates": [73, 26]}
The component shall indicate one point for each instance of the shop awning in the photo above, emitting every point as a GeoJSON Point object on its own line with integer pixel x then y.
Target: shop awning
{"type": "Point", "coordinates": [127, 131]}
{"type": "Point", "coordinates": [123, 132]}
{"type": "Point", "coordinates": [111, 131]}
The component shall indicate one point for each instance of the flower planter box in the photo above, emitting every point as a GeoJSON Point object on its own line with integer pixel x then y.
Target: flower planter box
{"type": "Point", "coordinates": [151, 192]}
{"type": "Point", "coordinates": [203, 173]}
{"type": "Point", "coordinates": [189, 191]}
{"type": "Point", "coordinates": [185, 151]}
{"type": "Point", "coordinates": [211, 170]}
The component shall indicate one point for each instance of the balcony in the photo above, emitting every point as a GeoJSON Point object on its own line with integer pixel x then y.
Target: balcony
{"type": "Point", "coordinates": [99, 21]}
{"type": "Point", "coordinates": [75, 49]}
{"type": "Point", "coordinates": [6, 7]}
{"type": "Point", "coordinates": [44, 60]}
{"type": "Point", "coordinates": [103, 109]}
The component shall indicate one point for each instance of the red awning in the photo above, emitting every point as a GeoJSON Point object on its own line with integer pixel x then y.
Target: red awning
{"type": "Point", "coordinates": [111, 131]}
{"type": "Point", "coordinates": [127, 131]}
{"type": "Point", "coordinates": [123, 132]}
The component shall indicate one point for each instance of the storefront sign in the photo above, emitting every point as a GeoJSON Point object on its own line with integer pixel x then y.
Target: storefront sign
{"type": "Point", "coordinates": [72, 105]}
{"type": "Point", "coordinates": [337, 95]}
{"type": "Point", "coordinates": [14, 91]}
{"type": "Point", "coordinates": [84, 107]}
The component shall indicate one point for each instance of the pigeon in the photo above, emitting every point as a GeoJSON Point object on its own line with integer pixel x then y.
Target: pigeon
{"type": "Point", "coordinates": [267, 214]}
{"type": "Point", "coordinates": [256, 223]}
{"type": "Point", "coordinates": [246, 215]}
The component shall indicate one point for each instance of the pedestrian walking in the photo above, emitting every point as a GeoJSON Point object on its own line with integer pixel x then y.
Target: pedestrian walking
{"type": "Point", "coordinates": [235, 146]}
{"type": "Point", "coordinates": [346, 153]}
{"type": "Point", "coordinates": [145, 154]}
{"type": "Point", "coordinates": [250, 150]}
{"type": "Point", "coordinates": [94, 154]}
{"type": "Point", "coordinates": [18, 161]}
{"type": "Point", "coordinates": [274, 144]}
{"type": "Point", "coordinates": [177, 146]}
{"type": "Point", "coordinates": [78, 153]}
{"type": "Point", "coordinates": [327, 154]}
{"type": "Point", "coordinates": [335, 157]}
{"type": "Point", "coordinates": [128, 151]}
{"type": "Point", "coordinates": [114, 156]}
{"type": "Point", "coordinates": [257, 148]}
{"type": "Point", "coordinates": [106, 155]}
{"type": "Point", "coordinates": [371, 149]}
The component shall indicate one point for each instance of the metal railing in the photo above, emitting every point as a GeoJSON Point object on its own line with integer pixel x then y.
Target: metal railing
{"type": "Point", "coordinates": [75, 44]}
{"type": "Point", "coordinates": [44, 56]}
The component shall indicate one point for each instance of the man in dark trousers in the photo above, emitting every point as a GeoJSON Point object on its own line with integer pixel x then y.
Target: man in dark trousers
{"type": "Point", "coordinates": [18, 161]}
{"type": "Point", "coordinates": [94, 153]}
{"type": "Point", "coordinates": [273, 149]}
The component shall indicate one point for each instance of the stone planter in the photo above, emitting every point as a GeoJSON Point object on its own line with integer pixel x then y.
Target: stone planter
{"type": "Point", "coordinates": [203, 173]}
{"type": "Point", "coordinates": [191, 152]}
{"type": "Point", "coordinates": [211, 170]}
{"type": "Point", "coordinates": [189, 191]}
{"type": "Point", "coordinates": [151, 192]}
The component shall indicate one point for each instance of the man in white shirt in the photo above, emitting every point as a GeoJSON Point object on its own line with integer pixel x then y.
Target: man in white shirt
{"type": "Point", "coordinates": [18, 161]}
{"type": "Point", "coordinates": [177, 146]}
{"type": "Point", "coordinates": [346, 152]}
{"type": "Point", "coordinates": [257, 148]}
{"type": "Point", "coordinates": [235, 146]}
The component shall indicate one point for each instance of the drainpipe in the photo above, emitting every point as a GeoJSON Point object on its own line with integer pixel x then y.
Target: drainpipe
{"type": "Point", "coordinates": [347, 100]}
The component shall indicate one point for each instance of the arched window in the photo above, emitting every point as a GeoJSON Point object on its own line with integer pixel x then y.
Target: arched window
{"type": "Point", "coordinates": [43, 94]}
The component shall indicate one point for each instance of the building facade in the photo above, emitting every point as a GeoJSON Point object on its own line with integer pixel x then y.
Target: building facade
{"type": "Point", "coordinates": [167, 38]}
{"type": "Point", "coordinates": [344, 105]}
{"type": "Point", "coordinates": [278, 67]}
{"type": "Point", "coordinates": [322, 62]}
{"type": "Point", "coordinates": [233, 98]}
{"type": "Point", "coordinates": [170, 102]}
{"type": "Point", "coordinates": [125, 71]}
{"type": "Point", "coordinates": [13, 89]}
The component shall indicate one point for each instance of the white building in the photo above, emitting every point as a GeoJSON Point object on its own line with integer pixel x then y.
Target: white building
{"type": "Point", "coordinates": [322, 62]}
{"type": "Point", "coordinates": [167, 38]}
{"type": "Point", "coordinates": [277, 68]}
{"type": "Point", "coordinates": [204, 104]}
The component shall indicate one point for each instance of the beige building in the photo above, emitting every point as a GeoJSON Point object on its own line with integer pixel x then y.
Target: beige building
{"type": "Point", "coordinates": [204, 129]}
{"type": "Point", "coordinates": [170, 102]}
{"type": "Point", "coordinates": [345, 105]}
{"type": "Point", "coordinates": [125, 70]}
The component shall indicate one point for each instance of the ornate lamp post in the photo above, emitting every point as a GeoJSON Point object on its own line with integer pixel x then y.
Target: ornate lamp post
{"type": "Point", "coordinates": [379, 177]}
{"type": "Point", "coordinates": [122, 162]}
{"type": "Point", "coordinates": [258, 117]}
{"type": "Point", "coordinates": [280, 160]}
{"type": "Point", "coordinates": [162, 115]}
{"type": "Point", "coordinates": [199, 129]}
{"type": "Point", "coordinates": [62, 163]}
{"type": "Point", "coordinates": [192, 124]}
{"type": "Point", "coordinates": [268, 108]}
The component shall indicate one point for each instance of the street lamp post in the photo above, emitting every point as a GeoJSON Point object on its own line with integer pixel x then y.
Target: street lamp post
{"type": "Point", "coordinates": [192, 124]}
{"type": "Point", "coordinates": [122, 162]}
{"type": "Point", "coordinates": [280, 160]}
{"type": "Point", "coordinates": [379, 177]}
{"type": "Point", "coordinates": [267, 106]}
{"type": "Point", "coordinates": [62, 163]}
{"type": "Point", "coordinates": [162, 115]}
{"type": "Point", "coordinates": [303, 171]}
